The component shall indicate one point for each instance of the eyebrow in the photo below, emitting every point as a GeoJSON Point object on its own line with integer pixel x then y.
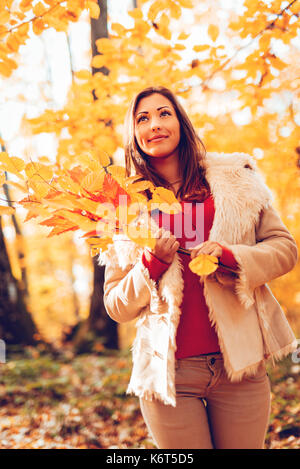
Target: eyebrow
{"type": "Point", "coordinates": [146, 112]}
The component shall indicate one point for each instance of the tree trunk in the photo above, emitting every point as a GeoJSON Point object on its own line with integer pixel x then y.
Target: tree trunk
{"type": "Point", "coordinates": [98, 323]}
{"type": "Point", "coordinates": [16, 324]}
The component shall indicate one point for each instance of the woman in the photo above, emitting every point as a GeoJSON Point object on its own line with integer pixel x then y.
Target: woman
{"type": "Point", "coordinates": [202, 342]}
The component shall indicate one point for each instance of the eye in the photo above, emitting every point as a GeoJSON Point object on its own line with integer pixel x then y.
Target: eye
{"type": "Point", "coordinates": [140, 118]}
{"type": "Point", "coordinates": [165, 112]}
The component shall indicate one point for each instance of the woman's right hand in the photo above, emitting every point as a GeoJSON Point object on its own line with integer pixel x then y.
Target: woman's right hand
{"type": "Point", "coordinates": [166, 245]}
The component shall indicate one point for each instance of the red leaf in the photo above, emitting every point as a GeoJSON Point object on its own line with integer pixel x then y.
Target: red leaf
{"type": "Point", "coordinates": [113, 190]}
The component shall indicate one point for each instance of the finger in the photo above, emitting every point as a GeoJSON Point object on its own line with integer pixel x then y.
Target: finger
{"type": "Point", "coordinates": [194, 253]}
{"type": "Point", "coordinates": [157, 233]}
{"type": "Point", "coordinates": [169, 243]}
{"type": "Point", "coordinates": [166, 234]}
{"type": "Point", "coordinates": [176, 245]}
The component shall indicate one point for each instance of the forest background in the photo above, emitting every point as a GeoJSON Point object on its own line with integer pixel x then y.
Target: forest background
{"type": "Point", "coordinates": [68, 70]}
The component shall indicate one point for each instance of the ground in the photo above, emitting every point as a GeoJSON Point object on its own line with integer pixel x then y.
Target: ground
{"type": "Point", "coordinates": [72, 402]}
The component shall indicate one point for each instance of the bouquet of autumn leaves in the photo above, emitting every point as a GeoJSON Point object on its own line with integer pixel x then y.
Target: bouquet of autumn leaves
{"type": "Point", "coordinates": [99, 200]}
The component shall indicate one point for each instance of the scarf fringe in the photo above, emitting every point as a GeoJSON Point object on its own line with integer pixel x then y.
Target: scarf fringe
{"type": "Point", "coordinates": [283, 352]}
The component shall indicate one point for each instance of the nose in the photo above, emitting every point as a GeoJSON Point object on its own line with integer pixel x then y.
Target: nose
{"type": "Point", "coordinates": [154, 125]}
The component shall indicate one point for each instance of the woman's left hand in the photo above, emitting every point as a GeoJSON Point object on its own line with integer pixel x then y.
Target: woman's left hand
{"type": "Point", "coordinates": [208, 247]}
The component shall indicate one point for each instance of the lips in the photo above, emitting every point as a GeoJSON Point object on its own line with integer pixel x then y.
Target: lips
{"type": "Point", "coordinates": [157, 137]}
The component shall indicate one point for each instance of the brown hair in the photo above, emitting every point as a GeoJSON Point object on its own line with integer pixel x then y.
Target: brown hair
{"type": "Point", "coordinates": [191, 151]}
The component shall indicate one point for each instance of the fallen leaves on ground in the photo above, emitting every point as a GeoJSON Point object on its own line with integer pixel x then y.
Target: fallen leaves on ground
{"type": "Point", "coordinates": [67, 402]}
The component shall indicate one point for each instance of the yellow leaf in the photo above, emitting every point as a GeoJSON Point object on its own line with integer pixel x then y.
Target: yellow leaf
{"type": "Point", "coordinates": [141, 236]}
{"type": "Point", "coordinates": [6, 210]}
{"type": "Point", "coordinates": [12, 43]}
{"type": "Point", "coordinates": [136, 13]}
{"type": "Point", "coordinates": [83, 74]}
{"type": "Point", "coordinates": [38, 169]}
{"type": "Point", "coordinates": [39, 9]}
{"type": "Point", "coordinates": [7, 66]}
{"type": "Point", "coordinates": [63, 201]}
{"type": "Point", "coordinates": [38, 26]}
{"type": "Point", "coordinates": [83, 222]}
{"type": "Point", "coordinates": [99, 243]}
{"type": "Point", "coordinates": [163, 27]}
{"type": "Point", "coordinates": [201, 48]}
{"type": "Point", "coordinates": [175, 10]}
{"type": "Point", "coordinates": [88, 205]}
{"type": "Point", "coordinates": [104, 159]}
{"type": "Point", "coordinates": [25, 5]}
{"type": "Point", "coordinates": [2, 178]}
{"type": "Point", "coordinates": [12, 164]}
{"type": "Point", "coordinates": [186, 3]}
{"type": "Point", "coordinates": [93, 181]}
{"type": "Point", "coordinates": [18, 163]}
{"type": "Point", "coordinates": [4, 16]}
{"type": "Point", "coordinates": [89, 161]}
{"type": "Point", "coordinates": [17, 186]}
{"type": "Point", "coordinates": [95, 251]}
{"type": "Point", "coordinates": [179, 47]}
{"type": "Point", "coordinates": [99, 61]}
{"type": "Point", "coordinates": [116, 171]}
{"type": "Point", "coordinates": [183, 36]}
{"type": "Point", "coordinates": [204, 264]}
{"type": "Point", "coordinates": [40, 187]}
{"type": "Point", "coordinates": [94, 9]}
{"type": "Point", "coordinates": [165, 200]}
{"type": "Point", "coordinates": [119, 29]}
{"type": "Point", "coordinates": [140, 186]}
{"type": "Point", "coordinates": [106, 211]}
{"type": "Point", "coordinates": [213, 31]}
{"type": "Point", "coordinates": [264, 41]}
{"type": "Point", "coordinates": [67, 184]}
{"type": "Point", "coordinates": [105, 45]}
{"type": "Point", "coordinates": [155, 8]}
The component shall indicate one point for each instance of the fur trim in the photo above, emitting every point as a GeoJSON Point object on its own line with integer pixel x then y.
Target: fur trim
{"type": "Point", "coordinates": [241, 287]}
{"type": "Point", "coordinates": [280, 354]}
{"type": "Point", "coordinates": [232, 177]}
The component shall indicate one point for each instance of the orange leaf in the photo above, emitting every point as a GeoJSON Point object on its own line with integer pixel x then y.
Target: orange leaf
{"type": "Point", "coordinates": [113, 190]}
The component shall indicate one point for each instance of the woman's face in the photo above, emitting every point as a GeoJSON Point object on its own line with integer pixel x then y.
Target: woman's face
{"type": "Point", "coordinates": [157, 129]}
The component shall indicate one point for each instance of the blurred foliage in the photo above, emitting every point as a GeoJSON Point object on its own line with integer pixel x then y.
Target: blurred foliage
{"type": "Point", "coordinates": [67, 401]}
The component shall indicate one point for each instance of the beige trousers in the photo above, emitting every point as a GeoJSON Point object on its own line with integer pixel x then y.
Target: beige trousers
{"type": "Point", "coordinates": [211, 412]}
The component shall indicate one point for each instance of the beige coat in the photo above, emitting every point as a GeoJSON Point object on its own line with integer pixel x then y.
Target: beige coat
{"type": "Point", "coordinates": [249, 321]}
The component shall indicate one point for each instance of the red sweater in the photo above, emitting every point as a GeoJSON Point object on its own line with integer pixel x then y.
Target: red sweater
{"type": "Point", "coordinates": [195, 334]}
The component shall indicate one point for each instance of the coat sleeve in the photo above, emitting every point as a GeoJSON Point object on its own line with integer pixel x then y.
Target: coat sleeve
{"type": "Point", "coordinates": [274, 254]}
{"type": "Point", "coordinates": [127, 291]}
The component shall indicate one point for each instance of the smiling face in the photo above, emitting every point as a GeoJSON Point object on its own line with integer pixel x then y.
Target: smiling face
{"type": "Point", "coordinates": [157, 129]}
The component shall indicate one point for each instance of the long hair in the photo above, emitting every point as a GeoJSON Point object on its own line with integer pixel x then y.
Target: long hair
{"type": "Point", "coordinates": [191, 151]}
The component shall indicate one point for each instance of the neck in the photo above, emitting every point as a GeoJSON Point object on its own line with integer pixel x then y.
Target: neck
{"type": "Point", "coordinates": [167, 167]}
